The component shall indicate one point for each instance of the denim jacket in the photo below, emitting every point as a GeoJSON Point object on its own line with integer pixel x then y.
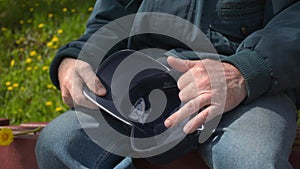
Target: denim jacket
{"type": "Point", "coordinates": [261, 38]}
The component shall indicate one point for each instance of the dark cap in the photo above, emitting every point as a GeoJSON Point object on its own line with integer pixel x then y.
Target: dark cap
{"type": "Point", "coordinates": [141, 91]}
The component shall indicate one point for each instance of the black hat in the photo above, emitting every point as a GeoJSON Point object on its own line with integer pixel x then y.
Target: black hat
{"type": "Point", "coordinates": [141, 91]}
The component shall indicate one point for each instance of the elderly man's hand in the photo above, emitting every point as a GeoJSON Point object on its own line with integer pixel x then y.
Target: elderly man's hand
{"type": "Point", "coordinates": [199, 88]}
{"type": "Point", "coordinates": [72, 75]}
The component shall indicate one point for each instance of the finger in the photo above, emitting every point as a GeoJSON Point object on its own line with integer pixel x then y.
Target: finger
{"type": "Point", "coordinates": [187, 110]}
{"type": "Point", "coordinates": [66, 97]}
{"type": "Point", "coordinates": [196, 121]}
{"type": "Point", "coordinates": [77, 95]}
{"type": "Point", "coordinates": [195, 74]}
{"type": "Point", "coordinates": [88, 76]}
{"type": "Point", "coordinates": [179, 64]}
{"type": "Point", "coordinates": [192, 91]}
{"type": "Point", "coordinates": [94, 84]}
{"type": "Point", "coordinates": [189, 92]}
{"type": "Point", "coordinates": [185, 80]}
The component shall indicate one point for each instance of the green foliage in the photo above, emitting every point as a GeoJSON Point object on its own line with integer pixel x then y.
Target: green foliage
{"type": "Point", "coordinates": [298, 118]}
{"type": "Point", "coordinates": [31, 32]}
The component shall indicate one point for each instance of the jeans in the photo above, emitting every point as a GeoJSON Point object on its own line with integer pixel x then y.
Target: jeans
{"type": "Point", "coordinates": [258, 135]}
{"type": "Point", "coordinates": [64, 144]}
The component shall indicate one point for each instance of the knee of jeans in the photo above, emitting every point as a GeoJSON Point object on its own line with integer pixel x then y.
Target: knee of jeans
{"type": "Point", "coordinates": [54, 135]}
{"type": "Point", "coordinates": [248, 156]}
{"type": "Point", "coordinates": [46, 144]}
{"type": "Point", "coordinates": [49, 148]}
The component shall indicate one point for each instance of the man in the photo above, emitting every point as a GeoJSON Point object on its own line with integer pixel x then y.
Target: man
{"type": "Point", "coordinates": [259, 43]}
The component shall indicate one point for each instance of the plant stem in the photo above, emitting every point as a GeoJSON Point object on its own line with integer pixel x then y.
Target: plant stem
{"type": "Point", "coordinates": [29, 131]}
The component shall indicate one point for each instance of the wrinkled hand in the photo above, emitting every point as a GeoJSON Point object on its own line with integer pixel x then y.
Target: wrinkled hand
{"type": "Point", "coordinates": [202, 86]}
{"type": "Point", "coordinates": [72, 75]}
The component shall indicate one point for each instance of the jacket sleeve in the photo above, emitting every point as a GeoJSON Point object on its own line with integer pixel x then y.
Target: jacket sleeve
{"type": "Point", "coordinates": [269, 58]}
{"type": "Point", "coordinates": [104, 12]}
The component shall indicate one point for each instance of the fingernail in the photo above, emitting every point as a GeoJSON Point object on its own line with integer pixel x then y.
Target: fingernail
{"type": "Point", "coordinates": [168, 123]}
{"type": "Point", "coordinates": [101, 91]}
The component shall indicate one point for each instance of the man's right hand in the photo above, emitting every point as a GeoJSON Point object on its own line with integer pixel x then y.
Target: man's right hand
{"type": "Point", "coordinates": [72, 75]}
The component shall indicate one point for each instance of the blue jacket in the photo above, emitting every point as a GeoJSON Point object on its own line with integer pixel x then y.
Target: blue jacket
{"type": "Point", "coordinates": [261, 38]}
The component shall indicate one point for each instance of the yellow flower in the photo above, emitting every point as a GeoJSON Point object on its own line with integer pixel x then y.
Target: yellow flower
{"type": "Point", "coordinates": [35, 68]}
{"type": "Point", "coordinates": [32, 53]}
{"type": "Point", "coordinates": [49, 86]}
{"type": "Point", "coordinates": [58, 109]}
{"type": "Point", "coordinates": [21, 22]}
{"type": "Point", "coordinates": [39, 57]}
{"type": "Point", "coordinates": [50, 15]}
{"type": "Point", "coordinates": [37, 4]}
{"type": "Point", "coordinates": [8, 83]}
{"type": "Point", "coordinates": [48, 103]}
{"type": "Point", "coordinates": [73, 10]}
{"type": "Point", "coordinates": [29, 21]}
{"type": "Point", "coordinates": [18, 42]}
{"type": "Point", "coordinates": [65, 9]}
{"type": "Point", "coordinates": [3, 29]}
{"type": "Point", "coordinates": [44, 68]}
{"type": "Point", "coordinates": [15, 85]}
{"type": "Point", "coordinates": [41, 25]}
{"type": "Point", "coordinates": [12, 63]}
{"type": "Point", "coordinates": [49, 44]}
{"type": "Point", "coordinates": [31, 9]}
{"type": "Point", "coordinates": [60, 31]}
{"type": "Point", "coordinates": [55, 39]}
{"type": "Point", "coordinates": [6, 137]}
{"type": "Point", "coordinates": [90, 9]}
{"type": "Point", "coordinates": [10, 88]}
{"type": "Point", "coordinates": [28, 60]}
{"type": "Point", "coordinates": [29, 68]}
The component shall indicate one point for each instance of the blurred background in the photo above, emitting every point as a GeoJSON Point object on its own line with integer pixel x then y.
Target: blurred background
{"type": "Point", "coordinates": [31, 33]}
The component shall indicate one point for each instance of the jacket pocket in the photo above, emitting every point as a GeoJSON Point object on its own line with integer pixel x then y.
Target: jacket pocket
{"type": "Point", "coordinates": [236, 19]}
{"type": "Point", "coordinates": [180, 8]}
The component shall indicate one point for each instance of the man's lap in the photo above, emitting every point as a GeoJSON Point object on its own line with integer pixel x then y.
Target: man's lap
{"type": "Point", "coordinates": [247, 136]}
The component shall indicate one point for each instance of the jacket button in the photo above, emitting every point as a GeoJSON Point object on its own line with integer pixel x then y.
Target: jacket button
{"type": "Point", "coordinates": [244, 30]}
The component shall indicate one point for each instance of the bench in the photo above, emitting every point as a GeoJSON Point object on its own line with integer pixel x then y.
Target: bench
{"type": "Point", "coordinates": [20, 154]}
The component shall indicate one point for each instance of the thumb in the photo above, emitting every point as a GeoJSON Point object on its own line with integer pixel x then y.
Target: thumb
{"type": "Point", "coordinates": [180, 64]}
{"type": "Point", "coordinates": [89, 77]}
{"type": "Point", "coordinates": [94, 83]}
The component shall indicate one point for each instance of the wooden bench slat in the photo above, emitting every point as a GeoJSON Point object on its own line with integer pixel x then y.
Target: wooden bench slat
{"type": "Point", "coordinates": [4, 121]}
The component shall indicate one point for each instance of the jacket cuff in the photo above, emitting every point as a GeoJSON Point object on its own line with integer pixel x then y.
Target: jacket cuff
{"type": "Point", "coordinates": [64, 53]}
{"type": "Point", "coordinates": [254, 69]}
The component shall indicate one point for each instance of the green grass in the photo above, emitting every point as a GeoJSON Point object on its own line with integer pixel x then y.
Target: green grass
{"type": "Point", "coordinates": [31, 32]}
